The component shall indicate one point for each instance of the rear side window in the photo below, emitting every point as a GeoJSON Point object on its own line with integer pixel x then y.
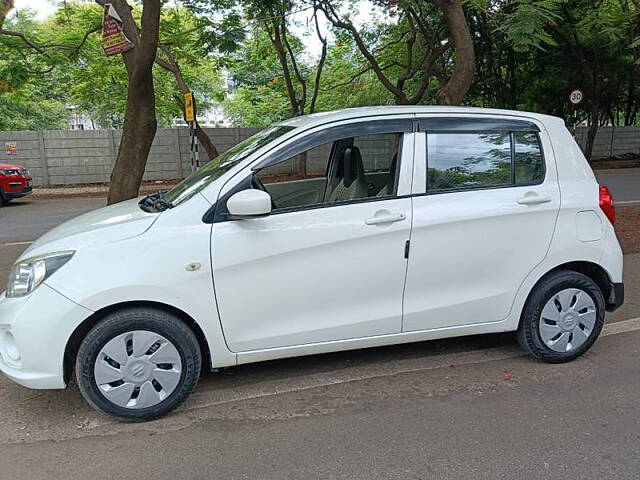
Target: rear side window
{"type": "Point", "coordinates": [473, 160]}
{"type": "Point", "coordinates": [528, 159]}
{"type": "Point", "coordinates": [468, 160]}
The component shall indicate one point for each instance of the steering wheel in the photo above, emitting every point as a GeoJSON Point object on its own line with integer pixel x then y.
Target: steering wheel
{"type": "Point", "coordinates": [257, 184]}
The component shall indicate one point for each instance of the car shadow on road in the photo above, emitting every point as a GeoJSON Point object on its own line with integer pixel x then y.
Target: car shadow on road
{"type": "Point", "coordinates": [15, 204]}
{"type": "Point", "coordinates": [288, 368]}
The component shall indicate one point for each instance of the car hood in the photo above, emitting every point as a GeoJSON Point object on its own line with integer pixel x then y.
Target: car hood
{"type": "Point", "coordinates": [105, 225]}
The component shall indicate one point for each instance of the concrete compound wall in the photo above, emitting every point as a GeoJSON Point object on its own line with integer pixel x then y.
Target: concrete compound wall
{"type": "Point", "coordinates": [611, 141]}
{"type": "Point", "coordinates": [71, 157]}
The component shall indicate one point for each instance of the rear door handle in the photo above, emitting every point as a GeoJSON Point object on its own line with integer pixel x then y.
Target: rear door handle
{"type": "Point", "coordinates": [533, 199]}
{"type": "Point", "coordinates": [385, 217]}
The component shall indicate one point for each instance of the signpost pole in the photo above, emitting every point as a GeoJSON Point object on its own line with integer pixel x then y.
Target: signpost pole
{"type": "Point", "coordinates": [575, 98]}
{"type": "Point", "coordinates": [191, 138]}
{"type": "Point", "coordinates": [190, 117]}
{"type": "Point", "coordinates": [195, 146]}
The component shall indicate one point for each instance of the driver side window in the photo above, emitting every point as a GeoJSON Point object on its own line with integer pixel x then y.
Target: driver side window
{"type": "Point", "coordinates": [347, 169]}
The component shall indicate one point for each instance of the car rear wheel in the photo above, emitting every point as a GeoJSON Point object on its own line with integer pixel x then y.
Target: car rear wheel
{"type": "Point", "coordinates": [562, 318]}
{"type": "Point", "coordinates": [138, 364]}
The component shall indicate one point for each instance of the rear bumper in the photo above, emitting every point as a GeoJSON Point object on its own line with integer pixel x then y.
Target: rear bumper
{"type": "Point", "coordinates": [616, 297]}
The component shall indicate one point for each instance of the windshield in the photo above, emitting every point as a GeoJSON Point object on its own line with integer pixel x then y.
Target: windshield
{"type": "Point", "coordinates": [213, 170]}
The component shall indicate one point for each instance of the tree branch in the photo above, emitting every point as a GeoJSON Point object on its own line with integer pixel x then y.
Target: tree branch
{"type": "Point", "coordinates": [323, 57]}
{"type": "Point", "coordinates": [30, 43]}
{"type": "Point", "coordinates": [456, 88]}
{"type": "Point", "coordinates": [358, 74]}
{"type": "Point", "coordinates": [149, 33]}
{"type": "Point", "coordinates": [335, 20]}
{"type": "Point", "coordinates": [294, 63]}
{"type": "Point", "coordinates": [42, 49]}
{"type": "Point", "coordinates": [276, 40]}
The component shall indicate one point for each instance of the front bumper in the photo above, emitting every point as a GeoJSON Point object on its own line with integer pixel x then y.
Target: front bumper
{"type": "Point", "coordinates": [22, 193]}
{"type": "Point", "coordinates": [616, 296]}
{"type": "Point", "coordinates": [34, 331]}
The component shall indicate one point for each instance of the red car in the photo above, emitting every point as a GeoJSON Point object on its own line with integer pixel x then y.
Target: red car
{"type": "Point", "coordinates": [15, 182]}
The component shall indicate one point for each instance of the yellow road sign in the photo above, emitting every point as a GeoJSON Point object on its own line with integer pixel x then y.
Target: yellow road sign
{"type": "Point", "coordinates": [189, 107]}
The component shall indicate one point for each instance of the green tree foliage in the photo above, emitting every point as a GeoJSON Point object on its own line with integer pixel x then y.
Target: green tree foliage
{"type": "Point", "coordinates": [99, 83]}
{"type": "Point", "coordinates": [261, 97]}
{"type": "Point", "coordinates": [29, 99]}
{"type": "Point", "coordinates": [37, 88]}
{"type": "Point", "coordinates": [530, 55]}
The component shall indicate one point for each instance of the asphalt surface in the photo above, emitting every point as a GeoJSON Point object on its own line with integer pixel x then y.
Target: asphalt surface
{"type": "Point", "coordinates": [472, 407]}
{"type": "Point", "coordinates": [624, 184]}
{"type": "Point", "coordinates": [29, 218]}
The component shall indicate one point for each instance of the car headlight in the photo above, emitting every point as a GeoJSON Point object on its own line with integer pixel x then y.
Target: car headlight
{"type": "Point", "coordinates": [28, 274]}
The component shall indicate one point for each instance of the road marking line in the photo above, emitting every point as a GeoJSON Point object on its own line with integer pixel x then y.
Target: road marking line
{"type": "Point", "coordinates": [13, 244]}
{"type": "Point", "coordinates": [628, 202]}
{"type": "Point", "coordinates": [357, 374]}
{"type": "Point", "coordinates": [623, 326]}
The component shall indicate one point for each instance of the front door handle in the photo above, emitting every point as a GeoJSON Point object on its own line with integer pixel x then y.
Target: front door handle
{"type": "Point", "coordinates": [533, 199]}
{"type": "Point", "coordinates": [385, 217]}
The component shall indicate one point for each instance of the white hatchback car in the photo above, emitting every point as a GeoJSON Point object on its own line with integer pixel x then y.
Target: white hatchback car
{"type": "Point", "coordinates": [334, 231]}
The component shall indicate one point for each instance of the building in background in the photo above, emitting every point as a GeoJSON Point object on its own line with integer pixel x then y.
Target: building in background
{"type": "Point", "coordinates": [79, 120]}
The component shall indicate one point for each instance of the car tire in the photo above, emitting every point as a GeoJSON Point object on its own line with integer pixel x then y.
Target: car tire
{"type": "Point", "coordinates": [3, 201]}
{"type": "Point", "coordinates": [562, 317]}
{"type": "Point", "coordinates": [138, 364]}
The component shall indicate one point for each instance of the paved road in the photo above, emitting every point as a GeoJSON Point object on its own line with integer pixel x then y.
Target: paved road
{"type": "Point", "coordinates": [462, 408]}
{"type": "Point", "coordinates": [29, 218]}
{"type": "Point", "coordinates": [624, 184]}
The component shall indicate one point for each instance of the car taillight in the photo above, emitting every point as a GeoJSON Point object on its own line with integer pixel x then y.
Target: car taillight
{"type": "Point", "coordinates": [607, 205]}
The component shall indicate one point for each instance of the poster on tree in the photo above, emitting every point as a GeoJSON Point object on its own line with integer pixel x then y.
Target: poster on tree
{"type": "Point", "coordinates": [114, 41]}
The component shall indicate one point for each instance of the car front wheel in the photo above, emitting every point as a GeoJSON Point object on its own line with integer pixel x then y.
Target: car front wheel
{"type": "Point", "coordinates": [138, 364]}
{"type": "Point", "coordinates": [562, 317]}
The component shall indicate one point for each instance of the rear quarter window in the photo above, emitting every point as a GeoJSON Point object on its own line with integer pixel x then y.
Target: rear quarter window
{"type": "Point", "coordinates": [529, 164]}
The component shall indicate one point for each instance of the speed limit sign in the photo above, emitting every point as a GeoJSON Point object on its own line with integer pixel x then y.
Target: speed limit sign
{"type": "Point", "coordinates": [576, 97]}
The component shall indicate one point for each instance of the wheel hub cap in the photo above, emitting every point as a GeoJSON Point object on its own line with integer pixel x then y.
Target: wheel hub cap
{"type": "Point", "coordinates": [567, 320]}
{"type": "Point", "coordinates": [137, 369]}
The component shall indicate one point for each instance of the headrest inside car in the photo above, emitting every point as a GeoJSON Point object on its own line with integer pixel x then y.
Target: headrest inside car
{"type": "Point", "coordinates": [351, 161]}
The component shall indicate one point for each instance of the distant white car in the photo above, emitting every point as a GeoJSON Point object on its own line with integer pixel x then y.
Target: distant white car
{"type": "Point", "coordinates": [334, 231]}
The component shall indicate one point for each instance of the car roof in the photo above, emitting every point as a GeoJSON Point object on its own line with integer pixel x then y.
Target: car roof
{"type": "Point", "coordinates": [11, 166]}
{"type": "Point", "coordinates": [362, 112]}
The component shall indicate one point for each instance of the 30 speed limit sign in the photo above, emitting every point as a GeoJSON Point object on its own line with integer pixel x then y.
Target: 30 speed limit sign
{"type": "Point", "coordinates": [576, 97]}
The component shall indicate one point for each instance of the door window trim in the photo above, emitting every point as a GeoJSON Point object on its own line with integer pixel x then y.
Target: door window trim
{"type": "Point", "coordinates": [512, 183]}
{"type": "Point", "coordinates": [334, 133]}
{"type": "Point", "coordinates": [404, 125]}
{"type": "Point", "coordinates": [469, 124]}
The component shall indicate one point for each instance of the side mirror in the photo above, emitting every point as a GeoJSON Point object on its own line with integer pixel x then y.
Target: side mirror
{"type": "Point", "coordinates": [249, 204]}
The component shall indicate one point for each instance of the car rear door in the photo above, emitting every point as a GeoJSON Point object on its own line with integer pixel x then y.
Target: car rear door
{"type": "Point", "coordinates": [486, 203]}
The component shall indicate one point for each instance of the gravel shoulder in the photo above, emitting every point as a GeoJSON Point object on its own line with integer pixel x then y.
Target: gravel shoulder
{"type": "Point", "coordinates": [628, 228]}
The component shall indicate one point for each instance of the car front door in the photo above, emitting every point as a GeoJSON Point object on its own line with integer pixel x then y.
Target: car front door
{"type": "Point", "coordinates": [487, 203]}
{"type": "Point", "coordinates": [328, 263]}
